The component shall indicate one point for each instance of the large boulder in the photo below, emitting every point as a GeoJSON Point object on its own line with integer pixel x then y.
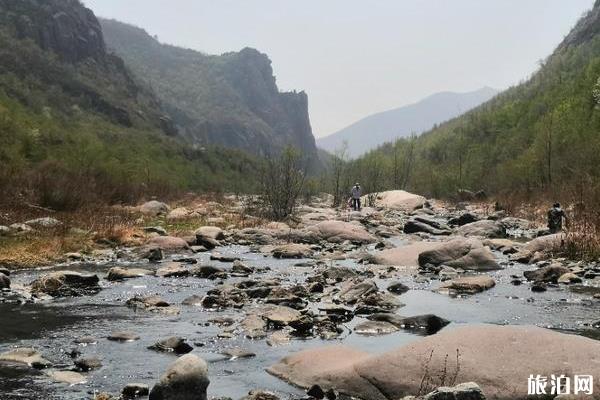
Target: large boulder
{"type": "Point", "coordinates": [185, 379]}
{"type": "Point", "coordinates": [407, 255]}
{"type": "Point", "coordinates": [213, 232]}
{"type": "Point", "coordinates": [485, 228]}
{"type": "Point", "coordinates": [468, 254]}
{"type": "Point", "coordinates": [66, 283]}
{"type": "Point", "coordinates": [544, 245]}
{"type": "Point", "coordinates": [168, 243]}
{"type": "Point", "coordinates": [154, 208]}
{"type": "Point", "coordinates": [398, 200]}
{"type": "Point", "coordinates": [499, 358]}
{"type": "Point", "coordinates": [339, 231]}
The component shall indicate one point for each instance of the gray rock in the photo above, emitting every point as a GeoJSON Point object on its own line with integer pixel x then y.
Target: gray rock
{"type": "Point", "coordinates": [27, 356]}
{"type": "Point", "coordinates": [154, 208]}
{"type": "Point", "coordinates": [132, 390]}
{"type": "Point", "coordinates": [485, 228]}
{"type": "Point", "coordinates": [4, 281]}
{"type": "Point", "coordinates": [4, 230]}
{"type": "Point", "coordinates": [123, 336]}
{"type": "Point", "coordinates": [46, 222]}
{"type": "Point", "coordinates": [174, 344]}
{"type": "Point", "coordinates": [185, 379]}
{"type": "Point", "coordinates": [549, 273]}
{"type": "Point", "coordinates": [66, 283]}
{"type": "Point", "coordinates": [88, 363]}
{"type": "Point", "coordinates": [118, 273]}
{"type": "Point", "coordinates": [463, 391]}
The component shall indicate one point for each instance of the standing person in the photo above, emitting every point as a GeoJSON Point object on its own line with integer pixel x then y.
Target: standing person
{"type": "Point", "coordinates": [356, 193]}
{"type": "Point", "coordinates": [555, 218]}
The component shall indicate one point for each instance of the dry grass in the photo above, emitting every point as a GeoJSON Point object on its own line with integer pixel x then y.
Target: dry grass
{"type": "Point", "coordinates": [87, 229]}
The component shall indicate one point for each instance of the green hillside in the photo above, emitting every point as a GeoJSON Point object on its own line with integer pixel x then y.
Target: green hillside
{"type": "Point", "coordinates": [543, 134]}
{"type": "Point", "coordinates": [75, 125]}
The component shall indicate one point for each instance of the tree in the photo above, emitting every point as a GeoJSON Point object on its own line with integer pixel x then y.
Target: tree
{"type": "Point", "coordinates": [282, 181]}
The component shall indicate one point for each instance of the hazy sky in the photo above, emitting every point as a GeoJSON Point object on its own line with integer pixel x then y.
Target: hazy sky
{"type": "Point", "coordinates": [357, 57]}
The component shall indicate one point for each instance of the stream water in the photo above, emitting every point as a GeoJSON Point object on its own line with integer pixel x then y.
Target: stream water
{"type": "Point", "coordinates": [52, 326]}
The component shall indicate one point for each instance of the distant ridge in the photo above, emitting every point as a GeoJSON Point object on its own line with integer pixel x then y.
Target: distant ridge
{"type": "Point", "coordinates": [374, 130]}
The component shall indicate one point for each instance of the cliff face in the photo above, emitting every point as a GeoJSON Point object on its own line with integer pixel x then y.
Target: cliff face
{"type": "Point", "coordinates": [61, 44]}
{"type": "Point", "coordinates": [62, 26]}
{"type": "Point", "coordinates": [231, 99]}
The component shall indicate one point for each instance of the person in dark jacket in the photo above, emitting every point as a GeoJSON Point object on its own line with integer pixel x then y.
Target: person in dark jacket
{"type": "Point", "coordinates": [555, 218]}
{"type": "Point", "coordinates": [355, 195]}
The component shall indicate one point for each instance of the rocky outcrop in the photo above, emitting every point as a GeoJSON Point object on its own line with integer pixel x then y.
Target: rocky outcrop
{"type": "Point", "coordinates": [468, 254]}
{"type": "Point", "coordinates": [484, 228]}
{"type": "Point", "coordinates": [499, 358]}
{"type": "Point", "coordinates": [338, 231]}
{"type": "Point", "coordinates": [230, 100]}
{"type": "Point", "coordinates": [62, 26]}
{"type": "Point", "coordinates": [398, 200]}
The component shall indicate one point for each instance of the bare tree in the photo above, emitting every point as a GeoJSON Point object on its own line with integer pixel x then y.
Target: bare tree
{"type": "Point", "coordinates": [338, 167]}
{"type": "Point", "coordinates": [282, 182]}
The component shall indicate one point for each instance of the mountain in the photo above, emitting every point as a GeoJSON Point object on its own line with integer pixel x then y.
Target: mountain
{"type": "Point", "coordinates": [230, 99]}
{"type": "Point", "coordinates": [77, 127]}
{"type": "Point", "coordinates": [541, 136]}
{"type": "Point", "coordinates": [376, 129]}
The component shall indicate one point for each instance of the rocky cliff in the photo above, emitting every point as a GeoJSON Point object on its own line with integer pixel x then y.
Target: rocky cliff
{"type": "Point", "coordinates": [61, 44]}
{"type": "Point", "coordinates": [230, 99]}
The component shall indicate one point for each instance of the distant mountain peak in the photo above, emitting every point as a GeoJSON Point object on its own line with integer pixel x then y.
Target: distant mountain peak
{"type": "Point", "coordinates": [376, 129]}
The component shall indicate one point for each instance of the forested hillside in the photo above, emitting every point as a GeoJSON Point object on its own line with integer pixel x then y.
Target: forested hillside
{"type": "Point", "coordinates": [230, 99]}
{"type": "Point", "coordinates": [75, 125]}
{"type": "Point", "coordinates": [543, 134]}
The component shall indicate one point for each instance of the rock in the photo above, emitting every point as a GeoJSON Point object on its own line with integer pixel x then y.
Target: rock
{"type": "Point", "coordinates": [421, 224]}
{"type": "Point", "coordinates": [260, 395]}
{"type": "Point", "coordinates": [238, 353]}
{"type": "Point", "coordinates": [207, 242]}
{"type": "Point", "coordinates": [4, 281]}
{"type": "Point", "coordinates": [27, 356]}
{"type": "Point", "coordinates": [398, 200]}
{"type": "Point", "coordinates": [549, 273]}
{"type": "Point", "coordinates": [484, 228]}
{"type": "Point", "coordinates": [66, 283]}
{"type": "Point", "coordinates": [426, 323]}
{"type": "Point", "coordinates": [20, 228]}
{"type": "Point", "coordinates": [407, 256]}
{"type": "Point", "coordinates": [468, 254]}
{"type": "Point", "coordinates": [154, 208]}
{"type": "Point", "coordinates": [254, 326]}
{"type": "Point", "coordinates": [239, 267]}
{"type": "Point", "coordinates": [482, 349]}
{"type": "Point", "coordinates": [4, 271]}
{"type": "Point", "coordinates": [174, 344]}
{"type": "Point", "coordinates": [68, 377]}
{"type": "Point", "coordinates": [540, 247]}
{"type": "Point", "coordinates": [185, 379]}
{"type": "Point", "coordinates": [372, 328]}
{"type": "Point", "coordinates": [292, 250]}
{"type": "Point", "coordinates": [568, 278]}
{"type": "Point", "coordinates": [340, 231]}
{"type": "Point", "coordinates": [168, 243]}
{"type": "Point", "coordinates": [463, 219]}
{"type": "Point", "coordinates": [280, 316]}
{"type": "Point", "coordinates": [178, 213]}
{"type": "Point", "coordinates": [506, 246]}
{"type": "Point", "coordinates": [148, 302]}
{"type": "Point", "coordinates": [397, 288]}
{"type": "Point", "coordinates": [123, 336]}
{"type": "Point", "coordinates": [172, 269]}
{"type": "Point", "coordinates": [352, 294]}
{"type": "Point", "coordinates": [212, 232]}
{"type": "Point", "coordinates": [4, 230]}
{"type": "Point", "coordinates": [193, 300]}
{"type": "Point", "coordinates": [224, 257]}
{"type": "Point", "coordinates": [46, 222]}
{"type": "Point", "coordinates": [208, 272]}
{"type": "Point", "coordinates": [339, 273]}
{"type": "Point", "coordinates": [132, 390]}
{"type": "Point", "coordinates": [538, 287]}
{"type": "Point", "coordinates": [159, 230]}
{"type": "Point", "coordinates": [463, 391]}
{"type": "Point", "coordinates": [88, 363]}
{"type": "Point", "coordinates": [118, 273]}
{"type": "Point", "coordinates": [469, 284]}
